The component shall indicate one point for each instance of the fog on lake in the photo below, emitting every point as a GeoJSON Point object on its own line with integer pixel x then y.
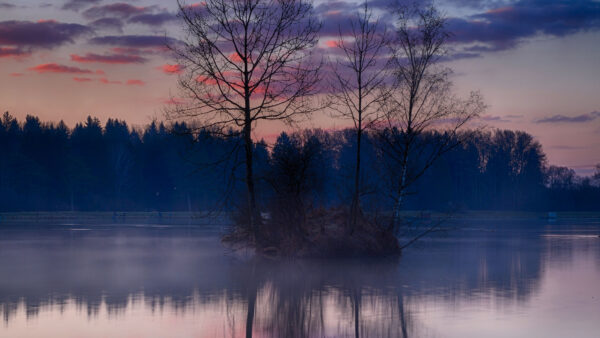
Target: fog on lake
{"type": "Point", "coordinates": [503, 278]}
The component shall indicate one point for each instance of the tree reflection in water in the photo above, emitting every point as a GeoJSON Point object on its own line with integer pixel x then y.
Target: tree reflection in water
{"type": "Point", "coordinates": [186, 274]}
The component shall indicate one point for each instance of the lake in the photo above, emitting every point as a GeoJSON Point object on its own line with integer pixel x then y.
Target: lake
{"type": "Point", "coordinates": [481, 278]}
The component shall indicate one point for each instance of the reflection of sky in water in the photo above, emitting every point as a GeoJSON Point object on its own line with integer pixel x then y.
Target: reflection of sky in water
{"type": "Point", "coordinates": [472, 282]}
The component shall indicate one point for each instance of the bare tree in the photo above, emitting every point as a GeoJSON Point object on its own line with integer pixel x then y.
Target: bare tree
{"type": "Point", "coordinates": [246, 61]}
{"type": "Point", "coordinates": [358, 79]}
{"type": "Point", "coordinates": [423, 115]}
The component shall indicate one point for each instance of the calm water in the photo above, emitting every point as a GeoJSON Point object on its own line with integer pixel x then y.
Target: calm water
{"type": "Point", "coordinates": [527, 278]}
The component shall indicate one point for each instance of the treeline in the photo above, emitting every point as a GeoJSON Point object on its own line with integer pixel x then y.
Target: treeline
{"type": "Point", "coordinates": [113, 167]}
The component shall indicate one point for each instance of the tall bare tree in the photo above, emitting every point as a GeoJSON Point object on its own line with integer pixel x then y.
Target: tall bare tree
{"type": "Point", "coordinates": [358, 78]}
{"type": "Point", "coordinates": [246, 61]}
{"type": "Point", "coordinates": [423, 115]}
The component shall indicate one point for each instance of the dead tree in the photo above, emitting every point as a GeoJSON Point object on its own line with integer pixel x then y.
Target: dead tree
{"type": "Point", "coordinates": [246, 61]}
{"type": "Point", "coordinates": [358, 78]}
{"type": "Point", "coordinates": [423, 116]}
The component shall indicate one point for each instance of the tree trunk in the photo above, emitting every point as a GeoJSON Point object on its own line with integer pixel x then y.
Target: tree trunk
{"type": "Point", "coordinates": [400, 200]}
{"type": "Point", "coordinates": [355, 207]}
{"type": "Point", "coordinates": [253, 212]}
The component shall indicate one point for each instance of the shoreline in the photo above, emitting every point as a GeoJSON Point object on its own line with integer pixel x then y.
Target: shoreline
{"type": "Point", "coordinates": [203, 218]}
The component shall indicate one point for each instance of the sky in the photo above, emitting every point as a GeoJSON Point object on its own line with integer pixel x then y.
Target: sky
{"type": "Point", "coordinates": [537, 63]}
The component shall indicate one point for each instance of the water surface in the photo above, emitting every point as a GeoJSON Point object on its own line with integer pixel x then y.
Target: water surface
{"type": "Point", "coordinates": [519, 278]}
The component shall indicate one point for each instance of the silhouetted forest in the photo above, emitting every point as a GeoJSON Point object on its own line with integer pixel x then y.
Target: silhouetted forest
{"type": "Point", "coordinates": [113, 167]}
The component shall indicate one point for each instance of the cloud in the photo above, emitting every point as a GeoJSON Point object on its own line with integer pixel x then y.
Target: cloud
{"type": "Point", "coordinates": [494, 118]}
{"type": "Point", "coordinates": [570, 119]}
{"type": "Point", "coordinates": [107, 81]}
{"type": "Point", "coordinates": [153, 19]}
{"type": "Point", "coordinates": [41, 34]}
{"type": "Point", "coordinates": [111, 58]}
{"type": "Point", "coordinates": [16, 74]}
{"type": "Point", "coordinates": [458, 55]}
{"type": "Point", "coordinates": [108, 24]}
{"type": "Point", "coordinates": [503, 28]}
{"type": "Point", "coordinates": [133, 41]}
{"type": "Point", "coordinates": [76, 5]}
{"type": "Point", "coordinates": [476, 4]}
{"type": "Point", "coordinates": [56, 68]}
{"type": "Point", "coordinates": [135, 83]}
{"type": "Point", "coordinates": [497, 25]}
{"type": "Point", "coordinates": [82, 79]}
{"type": "Point", "coordinates": [6, 5]}
{"type": "Point", "coordinates": [119, 10]}
{"type": "Point", "coordinates": [13, 52]}
{"type": "Point", "coordinates": [332, 43]}
{"type": "Point", "coordinates": [171, 69]}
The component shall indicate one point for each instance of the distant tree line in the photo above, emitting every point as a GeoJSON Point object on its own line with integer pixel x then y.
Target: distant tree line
{"type": "Point", "coordinates": [113, 167]}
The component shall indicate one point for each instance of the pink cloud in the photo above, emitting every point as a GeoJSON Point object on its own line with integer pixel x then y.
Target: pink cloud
{"type": "Point", "coordinates": [56, 68]}
{"type": "Point", "coordinates": [332, 44]}
{"type": "Point", "coordinates": [16, 74]}
{"type": "Point", "coordinates": [106, 81]}
{"type": "Point", "coordinates": [171, 69]}
{"type": "Point", "coordinates": [197, 4]}
{"type": "Point", "coordinates": [135, 83]}
{"type": "Point", "coordinates": [235, 57]}
{"type": "Point", "coordinates": [6, 52]}
{"type": "Point", "coordinates": [82, 79]}
{"type": "Point", "coordinates": [110, 59]}
{"type": "Point", "coordinates": [206, 80]}
{"type": "Point", "coordinates": [100, 72]}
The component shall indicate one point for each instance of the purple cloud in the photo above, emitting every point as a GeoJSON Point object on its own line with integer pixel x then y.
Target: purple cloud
{"type": "Point", "coordinates": [570, 119]}
{"type": "Point", "coordinates": [6, 52]}
{"type": "Point", "coordinates": [153, 19]}
{"type": "Point", "coordinates": [108, 24]}
{"type": "Point", "coordinates": [6, 5]}
{"type": "Point", "coordinates": [504, 27]}
{"type": "Point", "coordinates": [41, 34]}
{"type": "Point", "coordinates": [76, 5]}
{"type": "Point", "coordinates": [136, 41]}
{"type": "Point", "coordinates": [119, 10]}
{"type": "Point", "coordinates": [500, 28]}
{"type": "Point", "coordinates": [108, 58]}
{"type": "Point", "coordinates": [494, 118]}
{"type": "Point", "coordinates": [336, 15]}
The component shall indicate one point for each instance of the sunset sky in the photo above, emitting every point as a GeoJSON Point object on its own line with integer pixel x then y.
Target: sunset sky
{"type": "Point", "coordinates": [537, 63]}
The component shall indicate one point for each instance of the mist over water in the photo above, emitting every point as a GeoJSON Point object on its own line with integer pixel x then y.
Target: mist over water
{"type": "Point", "coordinates": [509, 278]}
